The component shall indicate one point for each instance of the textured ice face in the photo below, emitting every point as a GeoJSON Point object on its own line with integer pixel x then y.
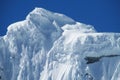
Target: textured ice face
{"type": "Point", "coordinates": [52, 46]}
{"type": "Point", "coordinates": [83, 56]}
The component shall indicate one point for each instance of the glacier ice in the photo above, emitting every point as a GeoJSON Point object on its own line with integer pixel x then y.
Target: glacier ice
{"type": "Point", "coordinates": [52, 46]}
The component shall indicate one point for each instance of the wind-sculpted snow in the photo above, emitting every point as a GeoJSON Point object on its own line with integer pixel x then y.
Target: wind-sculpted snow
{"type": "Point", "coordinates": [52, 46]}
{"type": "Point", "coordinates": [67, 59]}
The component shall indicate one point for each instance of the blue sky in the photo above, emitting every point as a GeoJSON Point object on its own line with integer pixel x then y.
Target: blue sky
{"type": "Point", "coordinates": [104, 15]}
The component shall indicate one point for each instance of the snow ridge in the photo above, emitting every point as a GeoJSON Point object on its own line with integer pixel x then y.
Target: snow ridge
{"type": "Point", "coordinates": [52, 46]}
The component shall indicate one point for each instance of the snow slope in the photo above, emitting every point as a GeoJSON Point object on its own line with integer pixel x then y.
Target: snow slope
{"type": "Point", "coordinates": [52, 46]}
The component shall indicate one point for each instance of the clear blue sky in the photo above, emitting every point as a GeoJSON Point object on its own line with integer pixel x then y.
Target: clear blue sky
{"type": "Point", "coordinates": [103, 14]}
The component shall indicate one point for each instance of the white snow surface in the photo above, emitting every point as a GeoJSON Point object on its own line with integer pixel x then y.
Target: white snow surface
{"type": "Point", "coordinates": [52, 46]}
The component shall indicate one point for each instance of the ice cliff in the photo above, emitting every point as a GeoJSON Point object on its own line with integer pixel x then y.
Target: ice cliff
{"type": "Point", "coordinates": [52, 46]}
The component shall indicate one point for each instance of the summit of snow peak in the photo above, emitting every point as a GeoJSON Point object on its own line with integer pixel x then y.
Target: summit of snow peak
{"type": "Point", "coordinates": [38, 13]}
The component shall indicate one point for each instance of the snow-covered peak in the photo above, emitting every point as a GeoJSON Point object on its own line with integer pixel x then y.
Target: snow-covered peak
{"type": "Point", "coordinates": [27, 43]}
{"type": "Point", "coordinates": [52, 46]}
